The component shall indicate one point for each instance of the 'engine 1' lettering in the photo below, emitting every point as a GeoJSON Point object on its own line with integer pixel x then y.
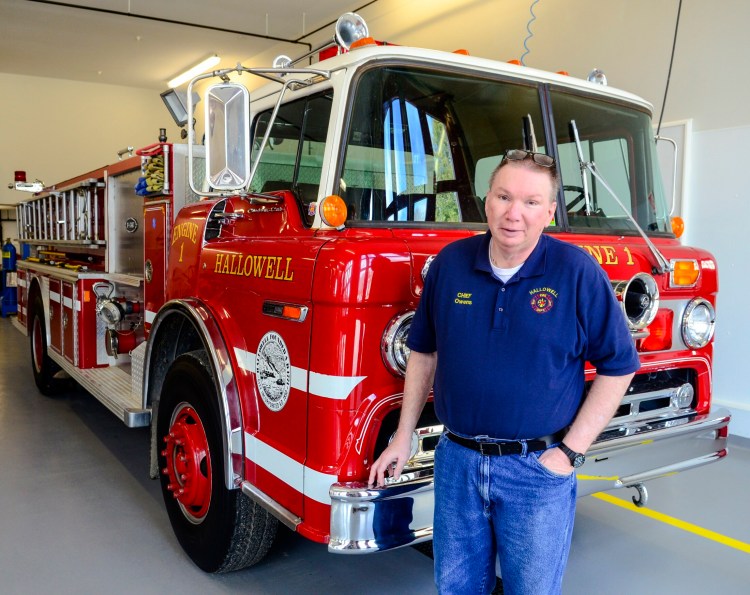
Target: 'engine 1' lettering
{"type": "Point", "coordinates": [187, 230]}
{"type": "Point", "coordinates": [608, 254]}
{"type": "Point", "coordinates": [251, 265]}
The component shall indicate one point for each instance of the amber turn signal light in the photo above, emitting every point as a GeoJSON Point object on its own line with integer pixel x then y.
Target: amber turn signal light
{"type": "Point", "coordinates": [362, 42]}
{"type": "Point", "coordinates": [678, 226]}
{"type": "Point", "coordinates": [684, 273]}
{"type": "Point", "coordinates": [333, 211]}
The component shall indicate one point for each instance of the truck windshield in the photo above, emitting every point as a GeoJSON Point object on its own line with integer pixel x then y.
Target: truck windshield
{"type": "Point", "coordinates": [620, 141]}
{"type": "Point", "coordinates": [421, 145]}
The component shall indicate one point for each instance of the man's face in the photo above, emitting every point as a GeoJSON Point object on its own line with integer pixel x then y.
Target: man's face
{"type": "Point", "coordinates": [519, 206]}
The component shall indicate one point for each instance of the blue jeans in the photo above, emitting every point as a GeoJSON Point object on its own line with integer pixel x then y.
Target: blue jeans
{"type": "Point", "coordinates": [507, 506]}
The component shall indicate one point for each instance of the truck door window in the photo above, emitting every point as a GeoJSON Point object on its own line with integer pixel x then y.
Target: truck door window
{"type": "Point", "coordinates": [293, 158]}
{"type": "Point", "coordinates": [619, 141]}
{"type": "Point", "coordinates": [420, 143]}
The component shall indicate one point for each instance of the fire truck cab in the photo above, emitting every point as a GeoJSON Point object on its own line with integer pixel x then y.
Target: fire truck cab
{"type": "Point", "coordinates": [251, 300]}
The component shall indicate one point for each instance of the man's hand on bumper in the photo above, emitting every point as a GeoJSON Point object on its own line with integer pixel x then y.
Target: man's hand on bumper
{"type": "Point", "coordinates": [391, 461]}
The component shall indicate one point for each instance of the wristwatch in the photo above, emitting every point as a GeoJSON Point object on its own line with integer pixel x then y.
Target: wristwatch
{"type": "Point", "coordinates": [576, 458]}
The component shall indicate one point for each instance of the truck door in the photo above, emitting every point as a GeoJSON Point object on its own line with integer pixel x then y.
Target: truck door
{"type": "Point", "coordinates": [156, 216]}
{"type": "Point", "coordinates": [279, 261]}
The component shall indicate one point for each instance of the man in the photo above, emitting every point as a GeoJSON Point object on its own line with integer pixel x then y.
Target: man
{"type": "Point", "coordinates": [504, 326]}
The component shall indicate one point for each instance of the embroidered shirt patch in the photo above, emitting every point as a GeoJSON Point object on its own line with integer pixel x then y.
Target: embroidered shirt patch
{"type": "Point", "coordinates": [542, 301]}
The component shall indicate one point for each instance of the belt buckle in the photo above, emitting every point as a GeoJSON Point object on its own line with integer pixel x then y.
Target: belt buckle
{"type": "Point", "coordinates": [492, 448]}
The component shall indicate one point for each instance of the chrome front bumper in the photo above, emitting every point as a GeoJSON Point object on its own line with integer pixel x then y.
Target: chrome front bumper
{"type": "Point", "coordinates": [365, 520]}
{"type": "Point", "coordinates": [632, 455]}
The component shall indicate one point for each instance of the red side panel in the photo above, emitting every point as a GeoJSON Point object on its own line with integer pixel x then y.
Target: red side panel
{"type": "Point", "coordinates": [68, 321]}
{"type": "Point", "coordinates": [55, 315]}
{"type": "Point", "coordinates": [23, 296]}
{"type": "Point", "coordinates": [156, 217]}
{"type": "Point", "coordinates": [87, 324]}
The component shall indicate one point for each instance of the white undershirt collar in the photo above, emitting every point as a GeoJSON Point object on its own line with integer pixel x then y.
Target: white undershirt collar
{"type": "Point", "coordinates": [503, 274]}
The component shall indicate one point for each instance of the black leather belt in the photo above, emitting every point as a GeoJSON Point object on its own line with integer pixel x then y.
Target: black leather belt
{"type": "Point", "coordinates": [514, 447]}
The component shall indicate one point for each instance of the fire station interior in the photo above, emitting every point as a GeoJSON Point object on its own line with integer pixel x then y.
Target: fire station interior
{"type": "Point", "coordinates": [82, 81]}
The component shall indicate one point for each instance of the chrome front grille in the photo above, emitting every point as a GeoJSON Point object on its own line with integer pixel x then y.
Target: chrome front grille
{"type": "Point", "coordinates": [653, 401]}
{"type": "Point", "coordinates": [427, 439]}
{"type": "Point", "coordinates": [655, 404]}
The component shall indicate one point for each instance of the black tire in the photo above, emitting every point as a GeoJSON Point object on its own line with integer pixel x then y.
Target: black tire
{"type": "Point", "coordinates": [221, 530]}
{"type": "Point", "coordinates": [42, 366]}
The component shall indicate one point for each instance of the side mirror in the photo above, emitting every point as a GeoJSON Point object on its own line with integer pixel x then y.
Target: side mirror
{"type": "Point", "coordinates": [228, 136]}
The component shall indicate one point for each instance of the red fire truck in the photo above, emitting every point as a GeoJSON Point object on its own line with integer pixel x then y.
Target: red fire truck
{"type": "Point", "coordinates": [250, 298]}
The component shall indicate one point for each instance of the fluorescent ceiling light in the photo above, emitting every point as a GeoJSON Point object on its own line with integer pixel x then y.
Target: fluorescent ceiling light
{"type": "Point", "coordinates": [208, 63]}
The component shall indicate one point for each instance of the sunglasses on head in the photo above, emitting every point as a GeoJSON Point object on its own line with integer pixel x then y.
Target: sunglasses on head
{"type": "Point", "coordinates": [538, 158]}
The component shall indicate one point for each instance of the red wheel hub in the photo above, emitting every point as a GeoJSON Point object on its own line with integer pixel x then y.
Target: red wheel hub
{"type": "Point", "coordinates": [188, 463]}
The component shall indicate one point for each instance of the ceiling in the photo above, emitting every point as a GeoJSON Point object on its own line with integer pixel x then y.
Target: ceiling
{"type": "Point", "coordinates": [144, 43]}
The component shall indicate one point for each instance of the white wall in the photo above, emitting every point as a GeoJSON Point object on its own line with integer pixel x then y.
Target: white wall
{"type": "Point", "coordinates": [718, 217]}
{"type": "Point", "coordinates": [56, 129]}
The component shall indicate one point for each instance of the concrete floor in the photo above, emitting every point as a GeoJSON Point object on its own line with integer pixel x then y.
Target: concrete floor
{"type": "Point", "coordinates": [78, 514]}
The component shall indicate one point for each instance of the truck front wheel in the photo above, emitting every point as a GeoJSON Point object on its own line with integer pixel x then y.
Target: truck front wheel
{"type": "Point", "coordinates": [220, 529]}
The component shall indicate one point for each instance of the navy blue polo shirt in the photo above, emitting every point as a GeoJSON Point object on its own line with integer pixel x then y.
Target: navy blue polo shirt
{"type": "Point", "coordinates": [510, 356]}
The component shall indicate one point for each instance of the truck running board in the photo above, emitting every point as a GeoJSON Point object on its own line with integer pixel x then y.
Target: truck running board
{"type": "Point", "coordinates": [113, 387]}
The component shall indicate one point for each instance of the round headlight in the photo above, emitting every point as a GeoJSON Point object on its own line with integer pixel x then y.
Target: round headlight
{"type": "Point", "coordinates": [393, 346]}
{"type": "Point", "coordinates": [426, 266]}
{"type": "Point", "coordinates": [698, 323]}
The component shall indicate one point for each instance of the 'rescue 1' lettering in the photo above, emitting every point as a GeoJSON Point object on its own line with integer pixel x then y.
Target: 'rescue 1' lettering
{"type": "Point", "coordinates": [251, 265]}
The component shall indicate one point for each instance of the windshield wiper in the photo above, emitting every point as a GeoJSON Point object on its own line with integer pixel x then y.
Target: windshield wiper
{"type": "Point", "coordinates": [662, 264]}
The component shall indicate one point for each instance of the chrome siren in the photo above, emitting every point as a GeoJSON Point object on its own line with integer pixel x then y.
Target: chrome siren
{"type": "Point", "coordinates": [350, 27]}
{"type": "Point", "coordinates": [639, 298]}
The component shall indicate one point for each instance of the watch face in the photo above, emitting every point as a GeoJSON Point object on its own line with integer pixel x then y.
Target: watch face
{"type": "Point", "coordinates": [576, 458]}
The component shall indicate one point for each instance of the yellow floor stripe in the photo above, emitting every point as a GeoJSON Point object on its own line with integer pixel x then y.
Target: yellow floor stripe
{"type": "Point", "coordinates": [689, 527]}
